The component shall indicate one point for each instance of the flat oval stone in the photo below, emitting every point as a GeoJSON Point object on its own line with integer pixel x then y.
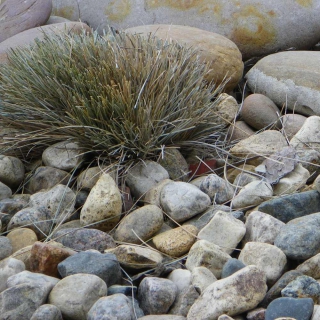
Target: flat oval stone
{"type": "Point", "coordinates": [17, 16]}
{"type": "Point", "coordinates": [294, 82]}
{"type": "Point", "coordinates": [257, 27]}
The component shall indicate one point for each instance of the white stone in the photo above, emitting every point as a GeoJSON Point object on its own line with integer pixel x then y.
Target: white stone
{"type": "Point", "coordinates": [223, 230]}
{"type": "Point", "coordinates": [238, 293]}
{"type": "Point", "coordinates": [181, 200]}
{"type": "Point", "coordinates": [292, 181]}
{"type": "Point", "coordinates": [206, 254]}
{"type": "Point", "coordinates": [267, 257]}
{"type": "Point", "coordinates": [181, 278]}
{"type": "Point", "coordinates": [8, 268]}
{"type": "Point", "coordinates": [252, 194]}
{"type": "Point", "coordinates": [262, 227]}
{"type": "Point", "coordinates": [103, 202]}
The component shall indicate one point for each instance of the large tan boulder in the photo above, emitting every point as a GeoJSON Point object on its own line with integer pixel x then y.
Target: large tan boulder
{"type": "Point", "coordinates": [28, 37]}
{"type": "Point", "coordinates": [258, 27]}
{"type": "Point", "coordinates": [220, 53]}
{"type": "Point", "coordinates": [17, 16]}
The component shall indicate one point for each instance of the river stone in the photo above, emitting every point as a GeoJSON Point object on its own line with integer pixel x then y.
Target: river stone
{"type": "Point", "coordinates": [135, 257]}
{"type": "Point", "coordinates": [260, 145]}
{"type": "Point", "coordinates": [238, 293]}
{"type": "Point", "coordinates": [6, 248]}
{"type": "Point", "coordinates": [81, 239]}
{"type": "Point", "coordinates": [48, 312]}
{"type": "Point", "coordinates": [11, 170]}
{"type": "Point", "coordinates": [218, 189]}
{"type": "Point", "coordinates": [9, 267]}
{"type": "Point", "coordinates": [238, 131]}
{"type": "Point", "coordinates": [292, 83]}
{"type": "Point", "coordinates": [311, 267]}
{"type": "Point", "coordinates": [153, 195]}
{"type": "Point", "coordinates": [262, 227]}
{"type": "Point", "coordinates": [258, 28]}
{"type": "Point", "coordinates": [47, 178]}
{"type": "Point", "coordinates": [103, 203]}
{"type": "Point", "coordinates": [201, 278]}
{"type": "Point", "coordinates": [55, 19]}
{"type": "Point", "coordinates": [17, 16]}
{"type": "Point", "coordinates": [223, 230]}
{"type": "Point", "coordinates": [5, 191]}
{"type": "Point", "coordinates": [275, 291]}
{"type": "Point", "coordinates": [299, 239]}
{"type": "Point", "coordinates": [300, 309]}
{"type": "Point", "coordinates": [259, 112]}
{"type": "Point", "coordinates": [140, 224]}
{"type": "Point", "coordinates": [176, 242]}
{"type": "Point", "coordinates": [206, 254]}
{"type": "Point", "coordinates": [267, 257]}
{"type": "Point", "coordinates": [181, 278]}
{"type": "Point", "coordinates": [292, 206]}
{"type": "Point", "coordinates": [28, 37]}
{"type": "Point", "coordinates": [21, 301]}
{"type": "Point", "coordinates": [156, 295]}
{"type": "Point", "coordinates": [231, 266]}
{"type": "Point", "coordinates": [303, 287]}
{"type": "Point", "coordinates": [292, 123]}
{"type": "Point", "coordinates": [76, 294]}
{"type": "Point", "coordinates": [181, 200]}
{"type": "Point", "coordinates": [214, 49]}
{"type": "Point", "coordinates": [227, 108]}
{"type": "Point", "coordinates": [116, 306]}
{"type": "Point", "coordinates": [21, 237]}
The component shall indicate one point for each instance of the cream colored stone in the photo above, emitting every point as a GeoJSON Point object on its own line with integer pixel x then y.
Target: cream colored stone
{"type": "Point", "coordinates": [153, 195]}
{"type": "Point", "coordinates": [176, 242]}
{"type": "Point", "coordinates": [21, 237]}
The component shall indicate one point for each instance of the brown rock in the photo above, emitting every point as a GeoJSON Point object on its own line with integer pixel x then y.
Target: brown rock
{"type": "Point", "coordinates": [256, 314]}
{"type": "Point", "coordinates": [234, 172]}
{"type": "Point", "coordinates": [21, 238]}
{"type": "Point", "coordinates": [17, 16]}
{"type": "Point", "coordinates": [239, 130]}
{"type": "Point", "coordinates": [27, 38]}
{"type": "Point", "coordinates": [176, 242]}
{"type": "Point", "coordinates": [221, 53]}
{"type": "Point", "coordinates": [259, 112]}
{"type": "Point", "coordinates": [45, 258]}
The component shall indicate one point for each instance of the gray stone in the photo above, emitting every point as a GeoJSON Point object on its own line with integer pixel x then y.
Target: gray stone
{"type": "Point", "coordinates": [47, 312]}
{"type": "Point", "coordinates": [76, 294]}
{"type": "Point", "coordinates": [262, 227]}
{"type": "Point", "coordinates": [47, 178]}
{"type": "Point", "coordinates": [235, 294]}
{"type": "Point", "coordinates": [275, 290]}
{"type": "Point", "coordinates": [163, 317]}
{"type": "Point", "coordinates": [104, 266]}
{"type": "Point", "coordinates": [292, 84]}
{"type": "Point", "coordinates": [300, 309]}
{"type": "Point", "coordinates": [156, 295]}
{"type": "Point", "coordinates": [11, 170]}
{"type": "Point", "coordinates": [38, 219]}
{"type": "Point", "coordinates": [202, 277]}
{"type": "Point", "coordinates": [292, 123]}
{"type": "Point", "coordinates": [56, 19]}
{"type": "Point", "coordinates": [89, 177]}
{"type": "Point", "coordinates": [238, 131]}
{"type": "Point", "coordinates": [103, 204]}
{"type": "Point", "coordinates": [181, 278]}
{"type": "Point", "coordinates": [231, 266]}
{"type": "Point", "coordinates": [223, 230]}
{"type": "Point", "coordinates": [17, 16]}
{"type": "Point", "coordinates": [244, 178]}
{"type": "Point", "coordinates": [5, 247]}
{"type": "Point", "coordinates": [59, 201]}
{"type": "Point", "coordinates": [299, 239]}
{"type": "Point", "coordinates": [256, 314]}
{"type": "Point", "coordinates": [302, 287]}
{"type": "Point", "coordinates": [130, 291]}
{"type": "Point", "coordinates": [65, 155]}
{"type": "Point", "coordinates": [206, 254]}
{"type": "Point", "coordinates": [153, 195]}
{"type": "Point", "coordinates": [5, 191]}
{"type": "Point", "coordinates": [21, 301]}
{"type": "Point", "coordinates": [9, 267]}
{"type": "Point", "coordinates": [140, 224]}
{"type": "Point", "coordinates": [292, 206]}
{"type": "Point", "coordinates": [181, 200]}
{"type": "Point", "coordinates": [84, 239]}
{"type": "Point", "coordinates": [117, 306]}
{"type": "Point", "coordinates": [316, 313]}
{"type": "Point", "coordinates": [260, 112]}
{"type": "Point", "coordinates": [145, 175]}
{"type": "Point", "coordinates": [218, 189]}
{"type": "Point", "coordinates": [32, 278]}
{"type": "Point", "coordinates": [267, 257]}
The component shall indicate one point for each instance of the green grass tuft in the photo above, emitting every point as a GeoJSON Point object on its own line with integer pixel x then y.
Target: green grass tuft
{"type": "Point", "coordinates": [123, 97]}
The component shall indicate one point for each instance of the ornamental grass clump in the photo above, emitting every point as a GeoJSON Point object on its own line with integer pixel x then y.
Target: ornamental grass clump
{"type": "Point", "coordinates": [122, 97]}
